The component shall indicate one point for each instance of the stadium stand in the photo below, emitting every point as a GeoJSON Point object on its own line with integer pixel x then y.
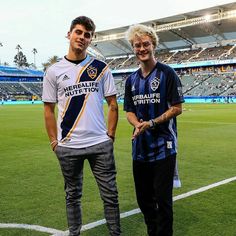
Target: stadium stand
{"type": "Point", "coordinates": [217, 80]}
{"type": "Point", "coordinates": [20, 84]}
{"type": "Point", "coordinates": [179, 56]}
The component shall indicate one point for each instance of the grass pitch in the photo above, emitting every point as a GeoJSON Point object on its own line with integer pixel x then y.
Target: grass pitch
{"type": "Point", "coordinates": [31, 185]}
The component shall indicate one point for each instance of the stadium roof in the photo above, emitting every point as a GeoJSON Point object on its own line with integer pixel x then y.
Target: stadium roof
{"type": "Point", "coordinates": [204, 28]}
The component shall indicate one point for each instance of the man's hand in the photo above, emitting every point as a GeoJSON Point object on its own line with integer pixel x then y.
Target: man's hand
{"type": "Point", "coordinates": [140, 128]}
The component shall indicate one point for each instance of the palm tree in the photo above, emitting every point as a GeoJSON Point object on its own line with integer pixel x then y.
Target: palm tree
{"type": "Point", "coordinates": [18, 48]}
{"type": "Point", "coordinates": [20, 60]}
{"type": "Point", "coordinates": [50, 61]}
{"type": "Point", "coordinates": [34, 51]}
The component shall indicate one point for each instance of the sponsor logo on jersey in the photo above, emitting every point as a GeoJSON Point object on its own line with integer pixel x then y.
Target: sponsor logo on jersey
{"type": "Point", "coordinates": [155, 84]}
{"type": "Point", "coordinates": [146, 98]}
{"type": "Point", "coordinates": [92, 72]}
{"type": "Point", "coordinates": [81, 88]}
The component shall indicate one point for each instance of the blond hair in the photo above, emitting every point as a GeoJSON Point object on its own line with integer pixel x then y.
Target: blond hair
{"type": "Point", "coordinates": [139, 31]}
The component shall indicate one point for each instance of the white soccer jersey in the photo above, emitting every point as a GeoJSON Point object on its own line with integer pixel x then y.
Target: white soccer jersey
{"type": "Point", "coordinates": [79, 91]}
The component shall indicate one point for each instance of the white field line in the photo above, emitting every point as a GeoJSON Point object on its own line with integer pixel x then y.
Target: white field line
{"type": "Point", "coordinates": [32, 227]}
{"type": "Point", "coordinates": [56, 232]}
{"type": "Point", "coordinates": [203, 189]}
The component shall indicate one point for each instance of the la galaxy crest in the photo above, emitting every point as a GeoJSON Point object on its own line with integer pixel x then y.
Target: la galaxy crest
{"type": "Point", "coordinates": [92, 72]}
{"type": "Point", "coordinates": [155, 84]}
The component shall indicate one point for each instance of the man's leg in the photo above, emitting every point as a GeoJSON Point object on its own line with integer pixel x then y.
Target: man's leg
{"type": "Point", "coordinates": [72, 169]}
{"type": "Point", "coordinates": [143, 179]}
{"type": "Point", "coordinates": [163, 185]}
{"type": "Point", "coordinates": [102, 164]}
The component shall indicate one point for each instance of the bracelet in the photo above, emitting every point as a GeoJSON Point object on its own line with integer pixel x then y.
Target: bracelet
{"type": "Point", "coordinates": [54, 141]}
{"type": "Point", "coordinates": [53, 148]}
{"type": "Point", "coordinates": [110, 136]}
{"type": "Point", "coordinates": [152, 124]}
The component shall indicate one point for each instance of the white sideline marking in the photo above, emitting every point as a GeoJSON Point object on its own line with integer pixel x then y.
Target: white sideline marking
{"type": "Point", "coordinates": [56, 232]}
{"type": "Point", "coordinates": [137, 210]}
{"type": "Point", "coordinates": [32, 227]}
{"type": "Point", "coordinates": [202, 189]}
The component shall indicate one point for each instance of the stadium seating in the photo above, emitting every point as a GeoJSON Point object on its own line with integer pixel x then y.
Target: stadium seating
{"type": "Point", "coordinates": [217, 80]}
{"type": "Point", "coordinates": [179, 56]}
{"type": "Point", "coordinates": [19, 83]}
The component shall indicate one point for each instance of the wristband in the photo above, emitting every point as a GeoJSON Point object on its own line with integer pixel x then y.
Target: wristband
{"type": "Point", "coordinates": [53, 148]}
{"type": "Point", "coordinates": [110, 136]}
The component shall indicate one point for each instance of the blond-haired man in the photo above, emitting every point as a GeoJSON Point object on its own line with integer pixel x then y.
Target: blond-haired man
{"type": "Point", "coordinates": [153, 98]}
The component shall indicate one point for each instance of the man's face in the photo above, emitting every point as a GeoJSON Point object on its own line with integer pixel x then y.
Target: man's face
{"type": "Point", "coordinates": [143, 48]}
{"type": "Point", "coordinates": [80, 38]}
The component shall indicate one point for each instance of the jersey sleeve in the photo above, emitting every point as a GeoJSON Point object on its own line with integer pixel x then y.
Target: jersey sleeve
{"type": "Point", "coordinates": [109, 84]}
{"type": "Point", "coordinates": [128, 101]}
{"type": "Point", "coordinates": [174, 88]}
{"type": "Point", "coordinates": [49, 87]}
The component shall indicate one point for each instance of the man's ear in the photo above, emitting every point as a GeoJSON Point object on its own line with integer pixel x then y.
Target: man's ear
{"type": "Point", "coordinates": [68, 35]}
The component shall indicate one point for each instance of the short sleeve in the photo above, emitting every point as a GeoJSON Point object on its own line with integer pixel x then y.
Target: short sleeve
{"type": "Point", "coordinates": [128, 101]}
{"type": "Point", "coordinates": [109, 84]}
{"type": "Point", "coordinates": [49, 87]}
{"type": "Point", "coordinates": [174, 88]}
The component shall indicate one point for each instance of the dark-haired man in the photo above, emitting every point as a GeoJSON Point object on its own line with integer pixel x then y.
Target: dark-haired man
{"type": "Point", "coordinates": [78, 84]}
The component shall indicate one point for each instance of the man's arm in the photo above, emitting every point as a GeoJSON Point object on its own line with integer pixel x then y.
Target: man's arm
{"type": "Point", "coordinates": [50, 123]}
{"type": "Point", "coordinates": [112, 117]}
{"type": "Point", "coordinates": [133, 120]}
{"type": "Point", "coordinates": [173, 111]}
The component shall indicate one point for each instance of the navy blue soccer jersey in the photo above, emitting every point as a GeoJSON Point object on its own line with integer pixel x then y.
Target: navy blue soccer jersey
{"type": "Point", "coordinates": [149, 98]}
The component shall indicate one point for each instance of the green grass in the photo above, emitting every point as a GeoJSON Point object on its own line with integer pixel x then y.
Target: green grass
{"type": "Point", "coordinates": [31, 185]}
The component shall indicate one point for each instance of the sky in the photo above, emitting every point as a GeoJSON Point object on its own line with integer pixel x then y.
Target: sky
{"type": "Point", "coordinates": [43, 24]}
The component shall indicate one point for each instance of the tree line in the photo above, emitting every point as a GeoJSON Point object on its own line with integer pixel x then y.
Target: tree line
{"type": "Point", "coordinates": [20, 59]}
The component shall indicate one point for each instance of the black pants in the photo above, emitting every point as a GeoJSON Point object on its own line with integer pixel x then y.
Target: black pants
{"type": "Point", "coordinates": [154, 187]}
